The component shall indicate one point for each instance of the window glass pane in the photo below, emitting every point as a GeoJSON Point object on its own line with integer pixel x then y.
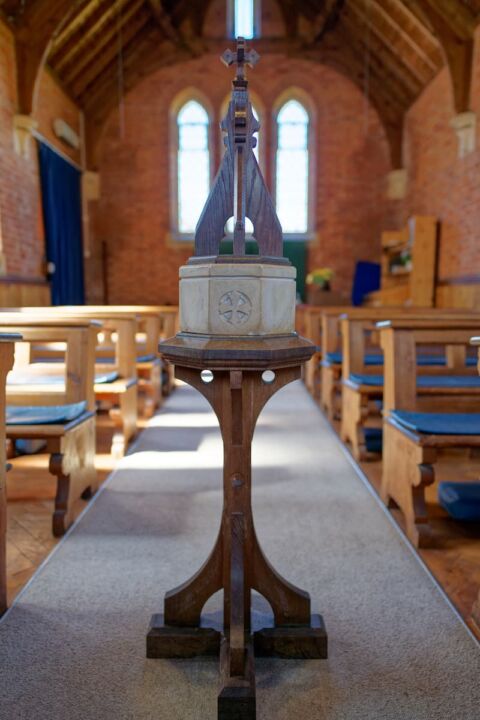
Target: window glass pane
{"type": "Point", "coordinates": [193, 165]}
{"type": "Point", "coordinates": [292, 168]}
{"type": "Point", "coordinates": [243, 19]}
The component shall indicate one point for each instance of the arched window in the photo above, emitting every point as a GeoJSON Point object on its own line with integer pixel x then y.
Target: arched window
{"type": "Point", "coordinates": [291, 174]}
{"type": "Point", "coordinates": [193, 165]}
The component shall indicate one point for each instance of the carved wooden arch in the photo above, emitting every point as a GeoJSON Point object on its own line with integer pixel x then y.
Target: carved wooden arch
{"type": "Point", "coordinates": [39, 23]}
{"type": "Point", "coordinates": [454, 27]}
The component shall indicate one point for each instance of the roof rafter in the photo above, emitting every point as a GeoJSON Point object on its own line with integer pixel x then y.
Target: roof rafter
{"type": "Point", "coordinates": [110, 49]}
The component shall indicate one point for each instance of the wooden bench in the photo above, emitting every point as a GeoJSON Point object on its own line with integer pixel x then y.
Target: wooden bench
{"type": "Point", "coordinates": [7, 341]}
{"type": "Point", "coordinates": [57, 407]}
{"type": "Point", "coordinates": [149, 327]}
{"type": "Point", "coordinates": [413, 433]}
{"type": "Point", "coordinates": [116, 383]}
{"type": "Point", "coordinates": [363, 383]}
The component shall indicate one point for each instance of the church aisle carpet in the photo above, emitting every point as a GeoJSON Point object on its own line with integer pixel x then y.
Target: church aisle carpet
{"type": "Point", "coordinates": [73, 645]}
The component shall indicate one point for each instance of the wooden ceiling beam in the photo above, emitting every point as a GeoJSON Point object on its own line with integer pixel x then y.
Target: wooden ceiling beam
{"type": "Point", "coordinates": [65, 52]}
{"type": "Point", "coordinates": [164, 21]}
{"type": "Point", "coordinates": [371, 62]}
{"type": "Point", "coordinates": [455, 14]}
{"type": "Point", "coordinates": [110, 50]}
{"type": "Point", "coordinates": [98, 42]}
{"type": "Point", "coordinates": [458, 48]}
{"type": "Point", "coordinates": [404, 9]}
{"type": "Point", "coordinates": [396, 63]}
{"type": "Point", "coordinates": [406, 37]}
{"type": "Point", "coordinates": [345, 60]}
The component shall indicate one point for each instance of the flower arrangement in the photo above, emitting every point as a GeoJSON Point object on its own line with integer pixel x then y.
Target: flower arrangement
{"type": "Point", "coordinates": [321, 277]}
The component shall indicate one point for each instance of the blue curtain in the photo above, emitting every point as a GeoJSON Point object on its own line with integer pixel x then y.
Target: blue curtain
{"type": "Point", "coordinates": [62, 215]}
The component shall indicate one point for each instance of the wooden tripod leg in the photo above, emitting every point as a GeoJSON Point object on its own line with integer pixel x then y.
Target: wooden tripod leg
{"type": "Point", "coordinates": [183, 605]}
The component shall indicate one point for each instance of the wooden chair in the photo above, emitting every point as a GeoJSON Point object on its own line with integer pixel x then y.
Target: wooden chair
{"type": "Point", "coordinates": [413, 434]}
{"type": "Point", "coordinates": [363, 383]}
{"type": "Point", "coordinates": [56, 405]}
{"type": "Point", "coordinates": [7, 341]}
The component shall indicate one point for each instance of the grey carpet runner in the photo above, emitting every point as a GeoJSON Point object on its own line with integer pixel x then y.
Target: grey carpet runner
{"type": "Point", "coordinates": [73, 645]}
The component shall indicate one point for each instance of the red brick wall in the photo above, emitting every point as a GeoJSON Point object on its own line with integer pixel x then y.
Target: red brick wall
{"type": "Point", "coordinates": [441, 184]}
{"type": "Point", "coordinates": [133, 218]}
{"type": "Point", "coordinates": [20, 215]}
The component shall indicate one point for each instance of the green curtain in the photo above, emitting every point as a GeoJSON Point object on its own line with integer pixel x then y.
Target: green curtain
{"type": "Point", "coordinates": [294, 250]}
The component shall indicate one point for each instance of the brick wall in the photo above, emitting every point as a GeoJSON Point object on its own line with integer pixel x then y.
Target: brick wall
{"type": "Point", "coordinates": [350, 163]}
{"type": "Point", "coordinates": [440, 183]}
{"type": "Point", "coordinates": [20, 213]}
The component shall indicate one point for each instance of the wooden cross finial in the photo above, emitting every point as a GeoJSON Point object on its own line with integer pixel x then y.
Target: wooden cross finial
{"type": "Point", "coordinates": [241, 57]}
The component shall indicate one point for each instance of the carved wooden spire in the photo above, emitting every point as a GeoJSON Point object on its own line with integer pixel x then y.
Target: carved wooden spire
{"type": "Point", "coordinates": [239, 188]}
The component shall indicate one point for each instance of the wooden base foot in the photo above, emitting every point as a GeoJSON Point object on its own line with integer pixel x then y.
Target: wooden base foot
{"type": "Point", "coordinates": [295, 642]}
{"type": "Point", "coordinates": [168, 641]}
{"type": "Point", "coordinates": [236, 700]}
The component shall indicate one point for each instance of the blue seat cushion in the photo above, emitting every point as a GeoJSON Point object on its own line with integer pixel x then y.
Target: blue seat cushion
{"type": "Point", "coordinates": [377, 359]}
{"type": "Point", "coordinates": [371, 380]}
{"type": "Point", "coordinates": [106, 377]}
{"type": "Point", "coordinates": [461, 500]}
{"type": "Point", "coordinates": [27, 378]}
{"type": "Point", "coordinates": [438, 423]}
{"type": "Point", "coordinates": [370, 358]}
{"type": "Point", "coordinates": [44, 414]}
{"type": "Point", "coordinates": [146, 358]}
{"type": "Point", "coordinates": [431, 360]}
{"type": "Point", "coordinates": [373, 439]}
{"type": "Point", "coordinates": [423, 381]}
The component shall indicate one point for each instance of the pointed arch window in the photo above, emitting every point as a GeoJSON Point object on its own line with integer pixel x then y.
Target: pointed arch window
{"type": "Point", "coordinates": [292, 168]}
{"type": "Point", "coordinates": [193, 165]}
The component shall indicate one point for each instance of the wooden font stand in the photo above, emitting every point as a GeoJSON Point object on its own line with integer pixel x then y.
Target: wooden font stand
{"type": "Point", "coordinates": [237, 393]}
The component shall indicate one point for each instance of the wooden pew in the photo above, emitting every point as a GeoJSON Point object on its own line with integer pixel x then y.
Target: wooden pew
{"type": "Point", "coordinates": [331, 366]}
{"type": "Point", "coordinates": [476, 606]}
{"type": "Point", "coordinates": [57, 407]}
{"type": "Point", "coordinates": [7, 341]}
{"type": "Point", "coordinates": [411, 443]}
{"type": "Point", "coordinates": [362, 384]}
{"type": "Point", "coordinates": [118, 385]}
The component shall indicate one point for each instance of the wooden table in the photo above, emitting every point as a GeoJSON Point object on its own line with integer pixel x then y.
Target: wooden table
{"type": "Point", "coordinates": [237, 377]}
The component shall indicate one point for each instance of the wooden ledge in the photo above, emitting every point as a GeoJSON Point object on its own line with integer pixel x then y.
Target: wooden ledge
{"type": "Point", "coordinates": [255, 353]}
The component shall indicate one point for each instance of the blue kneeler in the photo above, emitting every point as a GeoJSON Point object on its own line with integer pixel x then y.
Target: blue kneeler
{"type": "Point", "coordinates": [373, 439]}
{"type": "Point", "coordinates": [461, 500]}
